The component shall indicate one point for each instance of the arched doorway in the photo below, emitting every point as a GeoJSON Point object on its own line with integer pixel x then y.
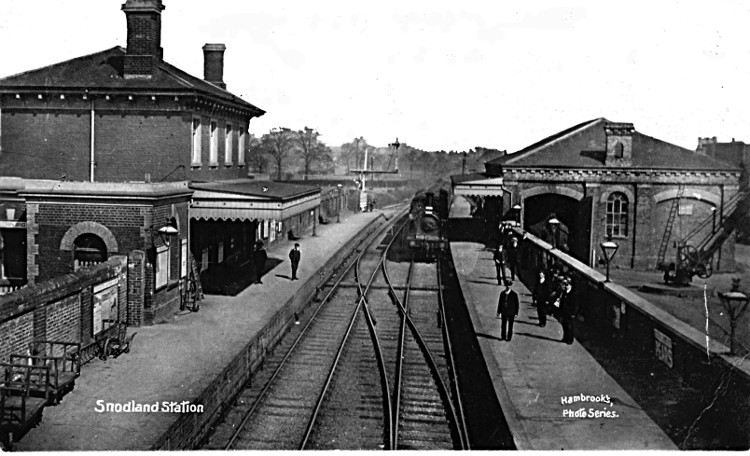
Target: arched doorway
{"type": "Point", "coordinates": [575, 221]}
{"type": "Point", "coordinates": [88, 250]}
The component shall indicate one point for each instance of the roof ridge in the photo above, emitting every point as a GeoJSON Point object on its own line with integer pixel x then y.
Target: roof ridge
{"type": "Point", "coordinates": [714, 161]}
{"type": "Point", "coordinates": [80, 57]}
{"type": "Point", "coordinates": [545, 143]}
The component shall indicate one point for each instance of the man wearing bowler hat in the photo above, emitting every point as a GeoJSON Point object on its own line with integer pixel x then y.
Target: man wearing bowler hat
{"type": "Point", "coordinates": [507, 308]}
{"type": "Point", "coordinates": [294, 256]}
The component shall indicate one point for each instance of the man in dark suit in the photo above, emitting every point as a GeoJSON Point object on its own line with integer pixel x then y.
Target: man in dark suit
{"type": "Point", "coordinates": [568, 312]}
{"type": "Point", "coordinates": [507, 308]}
{"type": "Point", "coordinates": [540, 295]}
{"type": "Point", "coordinates": [499, 258]}
{"type": "Point", "coordinates": [294, 256]}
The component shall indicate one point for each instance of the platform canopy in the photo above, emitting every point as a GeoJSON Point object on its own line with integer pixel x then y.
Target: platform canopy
{"type": "Point", "coordinates": [248, 200]}
{"type": "Point", "coordinates": [477, 185]}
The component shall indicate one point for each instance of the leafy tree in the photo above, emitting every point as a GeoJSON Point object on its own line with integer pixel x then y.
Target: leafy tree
{"type": "Point", "coordinates": [310, 148]}
{"type": "Point", "coordinates": [278, 143]}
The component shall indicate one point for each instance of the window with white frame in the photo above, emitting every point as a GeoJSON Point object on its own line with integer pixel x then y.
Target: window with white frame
{"type": "Point", "coordinates": [228, 143]}
{"type": "Point", "coordinates": [197, 141]}
{"type": "Point", "coordinates": [214, 152]}
{"type": "Point", "coordinates": [162, 266]}
{"type": "Point", "coordinates": [241, 147]}
{"type": "Point", "coordinates": [616, 223]}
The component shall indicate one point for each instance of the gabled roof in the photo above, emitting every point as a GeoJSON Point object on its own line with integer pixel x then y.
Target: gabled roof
{"type": "Point", "coordinates": [262, 189]}
{"type": "Point", "coordinates": [104, 71]}
{"type": "Point", "coordinates": [584, 146]}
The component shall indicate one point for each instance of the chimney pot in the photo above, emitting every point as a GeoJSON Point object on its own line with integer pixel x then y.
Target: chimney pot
{"type": "Point", "coordinates": [213, 64]}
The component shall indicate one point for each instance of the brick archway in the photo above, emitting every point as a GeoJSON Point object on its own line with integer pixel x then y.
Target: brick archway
{"type": "Point", "coordinates": [554, 189]}
{"type": "Point", "coordinates": [689, 193]}
{"type": "Point", "coordinates": [89, 227]}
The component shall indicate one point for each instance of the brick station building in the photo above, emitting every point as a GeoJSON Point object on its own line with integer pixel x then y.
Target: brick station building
{"type": "Point", "coordinates": [602, 179]}
{"type": "Point", "coordinates": [101, 151]}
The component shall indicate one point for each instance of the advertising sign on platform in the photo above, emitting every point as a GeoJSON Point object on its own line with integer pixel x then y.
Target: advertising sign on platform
{"type": "Point", "coordinates": [105, 304]}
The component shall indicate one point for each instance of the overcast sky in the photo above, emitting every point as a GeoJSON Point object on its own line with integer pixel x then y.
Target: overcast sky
{"type": "Point", "coordinates": [446, 75]}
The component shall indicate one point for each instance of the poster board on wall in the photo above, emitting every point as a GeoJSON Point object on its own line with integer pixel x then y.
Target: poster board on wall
{"type": "Point", "coordinates": [105, 304]}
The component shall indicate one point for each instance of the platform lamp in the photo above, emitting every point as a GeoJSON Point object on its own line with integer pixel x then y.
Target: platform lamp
{"type": "Point", "coordinates": [735, 304]}
{"type": "Point", "coordinates": [554, 227]}
{"type": "Point", "coordinates": [166, 232]}
{"type": "Point", "coordinates": [517, 213]}
{"type": "Point", "coordinates": [609, 249]}
{"type": "Point", "coordinates": [338, 211]}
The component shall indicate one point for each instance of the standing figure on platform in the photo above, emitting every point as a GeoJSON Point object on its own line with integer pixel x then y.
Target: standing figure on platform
{"type": "Point", "coordinates": [555, 290]}
{"type": "Point", "coordinates": [294, 256]}
{"type": "Point", "coordinates": [499, 258]}
{"type": "Point", "coordinates": [568, 312]}
{"type": "Point", "coordinates": [539, 297]}
{"type": "Point", "coordinates": [259, 260]}
{"type": "Point", "coordinates": [507, 308]}
{"type": "Point", "coordinates": [512, 255]}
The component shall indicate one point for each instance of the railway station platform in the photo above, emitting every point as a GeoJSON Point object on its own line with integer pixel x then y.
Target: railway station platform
{"type": "Point", "coordinates": [550, 392]}
{"type": "Point", "coordinates": [542, 384]}
{"type": "Point", "coordinates": [174, 361]}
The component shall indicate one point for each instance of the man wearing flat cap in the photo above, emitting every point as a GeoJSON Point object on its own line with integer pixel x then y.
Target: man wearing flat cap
{"type": "Point", "coordinates": [507, 308]}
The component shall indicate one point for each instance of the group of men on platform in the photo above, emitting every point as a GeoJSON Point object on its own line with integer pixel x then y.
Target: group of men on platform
{"type": "Point", "coordinates": [551, 296]}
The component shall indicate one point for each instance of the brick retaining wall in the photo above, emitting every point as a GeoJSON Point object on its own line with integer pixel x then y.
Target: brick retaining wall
{"type": "Point", "coordinates": [622, 316]}
{"type": "Point", "coordinates": [61, 309]}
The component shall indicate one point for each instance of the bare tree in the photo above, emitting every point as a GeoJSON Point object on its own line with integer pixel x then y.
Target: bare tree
{"type": "Point", "coordinates": [256, 157]}
{"type": "Point", "coordinates": [278, 143]}
{"type": "Point", "coordinates": [311, 149]}
{"type": "Point", "coordinates": [350, 150]}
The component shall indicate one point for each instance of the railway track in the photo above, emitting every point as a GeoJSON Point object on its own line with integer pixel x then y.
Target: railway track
{"type": "Point", "coordinates": [362, 370]}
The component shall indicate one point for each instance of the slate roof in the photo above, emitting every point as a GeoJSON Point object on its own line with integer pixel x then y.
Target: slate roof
{"type": "Point", "coordinates": [273, 190]}
{"type": "Point", "coordinates": [584, 146]}
{"type": "Point", "coordinates": [459, 178]}
{"type": "Point", "coordinates": [104, 71]}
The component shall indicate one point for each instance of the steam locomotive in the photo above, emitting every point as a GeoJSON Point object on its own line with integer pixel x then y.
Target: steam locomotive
{"type": "Point", "coordinates": [426, 231]}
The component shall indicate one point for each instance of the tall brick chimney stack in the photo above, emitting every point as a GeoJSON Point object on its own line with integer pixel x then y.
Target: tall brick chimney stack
{"type": "Point", "coordinates": [213, 64]}
{"type": "Point", "coordinates": [144, 37]}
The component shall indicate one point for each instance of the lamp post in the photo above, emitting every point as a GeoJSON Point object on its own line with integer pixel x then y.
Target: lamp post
{"type": "Point", "coordinates": [554, 226]}
{"type": "Point", "coordinates": [338, 211]}
{"type": "Point", "coordinates": [609, 249]}
{"type": "Point", "coordinates": [735, 304]}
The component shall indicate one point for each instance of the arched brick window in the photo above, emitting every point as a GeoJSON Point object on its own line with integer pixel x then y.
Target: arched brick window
{"type": "Point", "coordinates": [619, 150]}
{"type": "Point", "coordinates": [616, 223]}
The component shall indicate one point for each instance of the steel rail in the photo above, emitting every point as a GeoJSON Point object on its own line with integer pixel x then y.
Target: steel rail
{"type": "Point", "coordinates": [246, 417]}
{"type": "Point", "coordinates": [453, 418]}
{"type": "Point", "coordinates": [361, 302]}
{"type": "Point", "coordinates": [400, 357]}
{"type": "Point", "coordinates": [463, 429]}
